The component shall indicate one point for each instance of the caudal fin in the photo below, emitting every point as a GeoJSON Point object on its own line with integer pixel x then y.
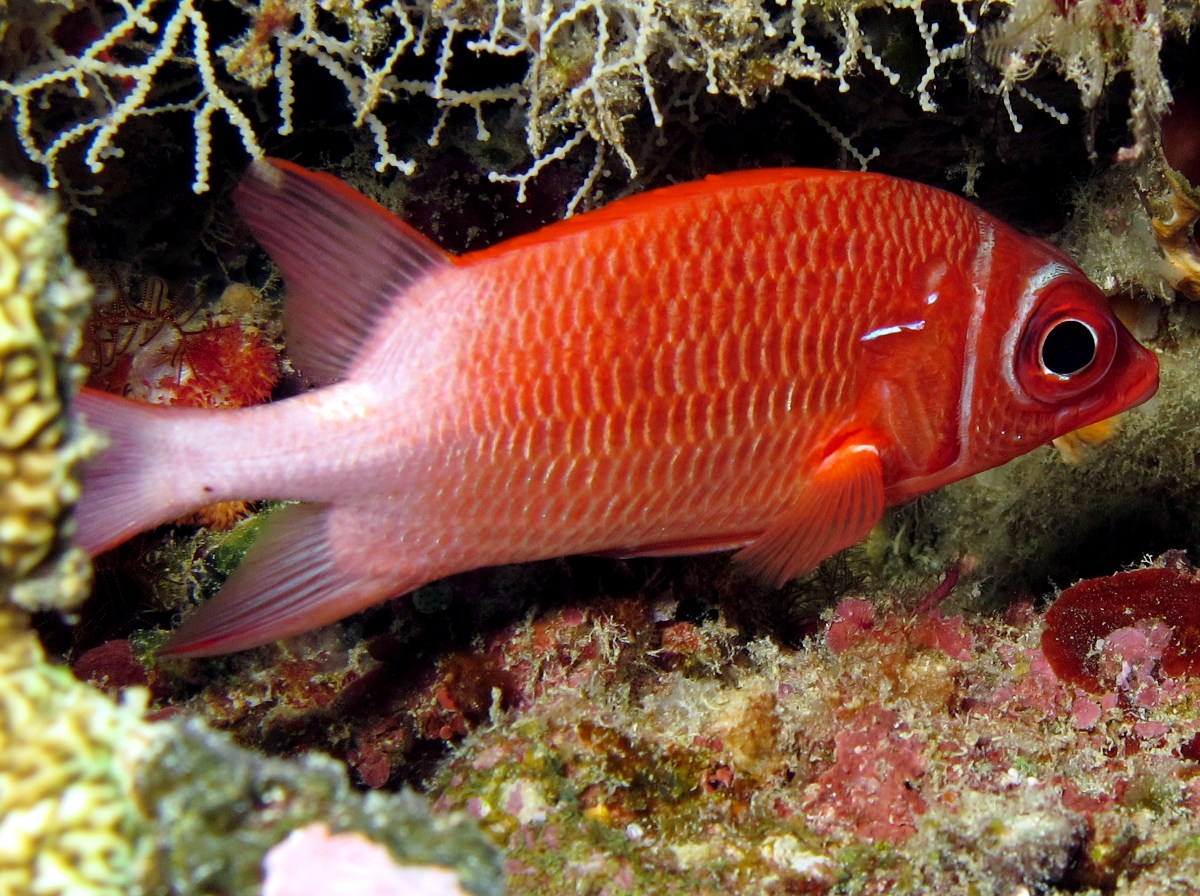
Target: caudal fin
{"type": "Point", "coordinates": [123, 493]}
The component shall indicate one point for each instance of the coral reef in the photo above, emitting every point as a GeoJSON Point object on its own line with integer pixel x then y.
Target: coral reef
{"type": "Point", "coordinates": [1175, 229]}
{"type": "Point", "coordinates": [1092, 42]}
{"type": "Point", "coordinates": [898, 752]}
{"type": "Point", "coordinates": [43, 300]}
{"type": "Point", "coordinates": [611, 726]}
{"type": "Point", "coordinates": [899, 749]}
{"type": "Point", "coordinates": [95, 800]}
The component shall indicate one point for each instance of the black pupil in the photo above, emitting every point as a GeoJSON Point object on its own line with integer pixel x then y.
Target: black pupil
{"type": "Point", "coordinates": [1069, 347]}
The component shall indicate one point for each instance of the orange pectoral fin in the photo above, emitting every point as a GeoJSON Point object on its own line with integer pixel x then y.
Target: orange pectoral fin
{"type": "Point", "coordinates": [838, 506]}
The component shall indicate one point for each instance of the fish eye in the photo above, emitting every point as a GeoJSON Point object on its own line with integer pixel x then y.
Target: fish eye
{"type": "Point", "coordinates": [1068, 348]}
{"type": "Point", "coordinates": [1067, 344]}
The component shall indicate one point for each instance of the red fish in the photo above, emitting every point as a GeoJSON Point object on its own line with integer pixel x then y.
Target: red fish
{"type": "Point", "coordinates": [763, 360]}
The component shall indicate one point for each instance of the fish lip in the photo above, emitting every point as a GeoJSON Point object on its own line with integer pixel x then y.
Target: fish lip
{"type": "Point", "coordinates": [1145, 386]}
{"type": "Point", "coordinates": [1149, 387]}
{"type": "Point", "coordinates": [1141, 384]}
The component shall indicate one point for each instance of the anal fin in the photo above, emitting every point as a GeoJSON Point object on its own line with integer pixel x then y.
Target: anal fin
{"type": "Point", "coordinates": [290, 582]}
{"type": "Point", "coordinates": [838, 505]}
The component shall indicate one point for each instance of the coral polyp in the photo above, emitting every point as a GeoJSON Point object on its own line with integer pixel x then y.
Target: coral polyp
{"type": "Point", "coordinates": [163, 343]}
{"type": "Point", "coordinates": [158, 342]}
{"type": "Point", "coordinates": [222, 365]}
{"type": "Point", "coordinates": [43, 298]}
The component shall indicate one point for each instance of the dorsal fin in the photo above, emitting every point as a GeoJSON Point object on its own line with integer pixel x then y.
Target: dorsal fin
{"type": "Point", "coordinates": [344, 258]}
{"type": "Point", "coordinates": [672, 202]}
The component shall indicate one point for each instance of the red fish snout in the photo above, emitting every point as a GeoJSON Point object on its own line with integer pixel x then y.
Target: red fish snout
{"type": "Point", "coordinates": [1143, 367]}
{"type": "Point", "coordinates": [1133, 375]}
{"type": "Point", "coordinates": [1131, 380]}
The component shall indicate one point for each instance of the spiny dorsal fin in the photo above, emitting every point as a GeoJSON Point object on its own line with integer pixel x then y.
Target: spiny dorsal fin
{"type": "Point", "coordinates": [344, 258]}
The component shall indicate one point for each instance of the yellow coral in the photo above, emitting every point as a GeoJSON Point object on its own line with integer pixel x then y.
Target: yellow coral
{"type": "Point", "coordinates": [42, 302]}
{"type": "Point", "coordinates": [1075, 446]}
{"type": "Point", "coordinates": [1175, 229]}
{"type": "Point", "coordinates": [69, 823]}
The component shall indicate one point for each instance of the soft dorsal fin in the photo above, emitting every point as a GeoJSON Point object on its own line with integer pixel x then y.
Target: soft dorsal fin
{"type": "Point", "coordinates": [675, 201]}
{"type": "Point", "coordinates": [345, 259]}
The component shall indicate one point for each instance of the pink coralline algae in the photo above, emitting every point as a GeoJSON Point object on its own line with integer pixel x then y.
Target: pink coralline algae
{"type": "Point", "coordinates": [111, 666]}
{"type": "Point", "coordinates": [1115, 631]}
{"type": "Point", "coordinates": [854, 623]}
{"type": "Point", "coordinates": [872, 784]}
{"type": "Point", "coordinates": [314, 862]}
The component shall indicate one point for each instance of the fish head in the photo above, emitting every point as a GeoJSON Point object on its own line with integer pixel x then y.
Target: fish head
{"type": "Point", "coordinates": [1050, 356]}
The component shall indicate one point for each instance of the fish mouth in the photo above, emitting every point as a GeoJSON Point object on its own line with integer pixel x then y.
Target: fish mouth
{"type": "Point", "coordinates": [1144, 386]}
{"type": "Point", "coordinates": [1126, 388]}
{"type": "Point", "coordinates": [1147, 390]}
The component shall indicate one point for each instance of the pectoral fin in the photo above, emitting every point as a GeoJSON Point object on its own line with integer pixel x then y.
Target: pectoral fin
{"type": "Point", "coordinates": [840, 503]}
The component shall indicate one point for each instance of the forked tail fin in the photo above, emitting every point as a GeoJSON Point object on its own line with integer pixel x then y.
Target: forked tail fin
{"type": "Point", "coordinates": [349, 266]}
{"type": "Point", "coordinates": [314, 562]}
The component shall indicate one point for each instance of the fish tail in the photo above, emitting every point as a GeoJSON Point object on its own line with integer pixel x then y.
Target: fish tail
{"type": "Point", "coordinates": [127, 484]}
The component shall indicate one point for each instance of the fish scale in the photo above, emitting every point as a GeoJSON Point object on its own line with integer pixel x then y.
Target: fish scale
{"type": "Point", "coordinates": [761, 360]}
{"type": "Point", "coordinates": [669, 377]}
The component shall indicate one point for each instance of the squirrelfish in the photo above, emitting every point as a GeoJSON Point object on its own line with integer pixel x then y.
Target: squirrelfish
{"type": "Point", "coordinates": [762, 360]}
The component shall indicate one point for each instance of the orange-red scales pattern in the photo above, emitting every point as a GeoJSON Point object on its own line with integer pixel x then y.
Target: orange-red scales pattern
{"type": "Point", "coordinates": [670, 376]}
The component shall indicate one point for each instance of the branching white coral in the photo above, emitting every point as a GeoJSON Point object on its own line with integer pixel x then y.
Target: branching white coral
{"type": "Point", "coordinates": [113, 92]}
{"type": "Point", "coordinates": [595, 64]}
{"type": "Point", "coordinates": [1091, 42]}
{"type": "Point", "coordinates": [591, 66]}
